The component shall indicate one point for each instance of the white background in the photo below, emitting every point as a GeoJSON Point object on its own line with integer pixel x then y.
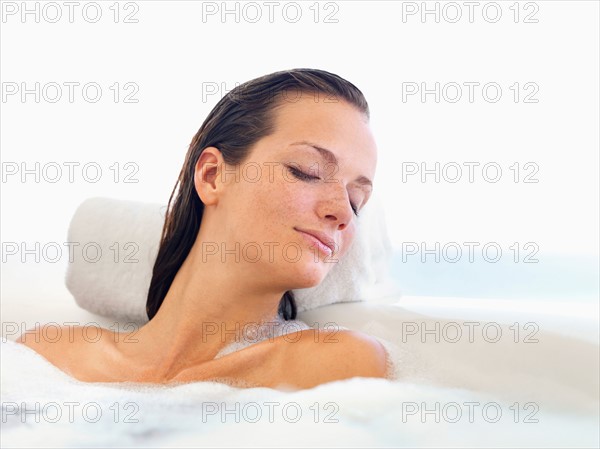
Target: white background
{"type": "Point", "coordinates": [171, 54]}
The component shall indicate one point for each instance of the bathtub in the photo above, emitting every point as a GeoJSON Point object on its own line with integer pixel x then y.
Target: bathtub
{"type": "Point", "coordinates": [531, 380]}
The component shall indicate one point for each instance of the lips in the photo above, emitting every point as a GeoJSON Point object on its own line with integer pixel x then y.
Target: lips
{"type": "Point", "coordinates": [322, 237]}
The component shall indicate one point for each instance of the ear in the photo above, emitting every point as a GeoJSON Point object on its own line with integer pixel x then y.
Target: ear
{"type": "Point", "coordinates": [206, 175]}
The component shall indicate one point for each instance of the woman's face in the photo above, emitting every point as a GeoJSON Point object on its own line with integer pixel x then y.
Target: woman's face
{"type": "Point", "coordinates": [275, 201]}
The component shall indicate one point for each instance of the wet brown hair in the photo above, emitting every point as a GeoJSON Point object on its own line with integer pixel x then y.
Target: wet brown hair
{"type": "Point", "coordinates": [238, 121]}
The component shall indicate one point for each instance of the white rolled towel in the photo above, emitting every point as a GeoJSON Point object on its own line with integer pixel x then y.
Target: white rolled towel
{"type": "Point", "coordinates": [119, 241]}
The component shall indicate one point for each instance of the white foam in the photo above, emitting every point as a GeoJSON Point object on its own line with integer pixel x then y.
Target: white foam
{"type": "Point", "coordinates": [364, 413]}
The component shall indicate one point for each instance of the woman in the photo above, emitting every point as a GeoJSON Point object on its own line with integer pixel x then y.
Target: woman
{"type": "Point", "coordinates": [266, 200]}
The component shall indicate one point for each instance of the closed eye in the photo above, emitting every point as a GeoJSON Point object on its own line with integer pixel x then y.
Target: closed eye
{"type": "Point", "coordinates": [301, 175]}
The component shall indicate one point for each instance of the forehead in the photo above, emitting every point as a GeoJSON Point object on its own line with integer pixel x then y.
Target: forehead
{"type": "Point", "coordinates": [335, 125]}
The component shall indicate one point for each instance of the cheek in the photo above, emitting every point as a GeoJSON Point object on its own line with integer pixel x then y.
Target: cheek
{"type": "Point", "coordinates": [293, 204]}
{"type": "Point", "coordinates": [292, 199]}
{"type": "Point", "coordinates": [272, 207]}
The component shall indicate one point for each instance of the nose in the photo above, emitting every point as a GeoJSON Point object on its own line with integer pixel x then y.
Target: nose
{"type": "Point", "coordinates": [336, 208]}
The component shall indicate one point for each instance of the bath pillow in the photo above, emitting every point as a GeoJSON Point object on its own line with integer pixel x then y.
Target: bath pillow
{"type": "Point", "coordinates": [118, 241]}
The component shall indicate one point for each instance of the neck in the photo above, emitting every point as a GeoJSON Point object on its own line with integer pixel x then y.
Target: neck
{"type": "Point", "coordinates": [209, 305]}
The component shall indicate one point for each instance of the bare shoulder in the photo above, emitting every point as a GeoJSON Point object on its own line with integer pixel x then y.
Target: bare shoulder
{"type": "Point", "coordinates": [47, 335]}
{"type": "Point", "coordinates": [353, 353]}
{"type": "Point", "coordinates": [324, 356]}
{"type": "Point", "coordinates": [64, 346]}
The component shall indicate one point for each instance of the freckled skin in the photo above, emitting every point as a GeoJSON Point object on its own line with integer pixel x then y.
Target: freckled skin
{"type": "Point", "coordinates": [251, 211]}
{"type": "Point", "coordinates": [267, 210]}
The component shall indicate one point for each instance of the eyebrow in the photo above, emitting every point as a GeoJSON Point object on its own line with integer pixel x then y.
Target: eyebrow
{"type": "Point", "coordinates": [330, 157]}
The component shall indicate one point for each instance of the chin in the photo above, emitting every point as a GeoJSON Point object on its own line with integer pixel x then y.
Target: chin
{"type": "Point", "coordinates": [309, 274]}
